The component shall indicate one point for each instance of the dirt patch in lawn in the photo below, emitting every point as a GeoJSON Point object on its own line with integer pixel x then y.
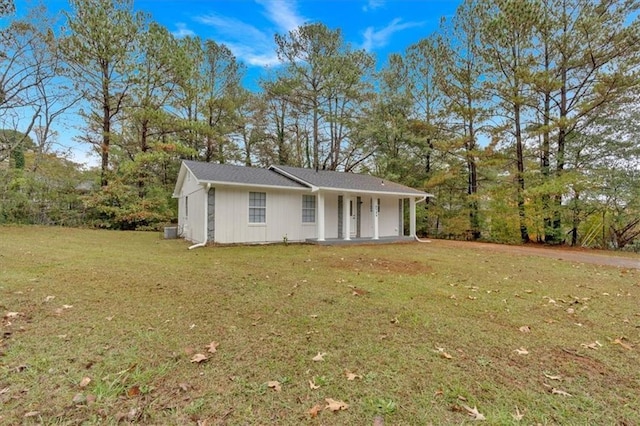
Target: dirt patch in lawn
{"type": "Point", "coordinates": [376, 265]}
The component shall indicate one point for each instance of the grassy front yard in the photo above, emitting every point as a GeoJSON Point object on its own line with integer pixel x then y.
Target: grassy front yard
{"type": "Point", "coordinates": [102, 327]}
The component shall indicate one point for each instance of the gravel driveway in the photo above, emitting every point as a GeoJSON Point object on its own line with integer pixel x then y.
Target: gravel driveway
{"type": "Point", "coordinates": [596, 257]}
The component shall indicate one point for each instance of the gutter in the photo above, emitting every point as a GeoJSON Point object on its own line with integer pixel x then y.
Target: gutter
{"type": "Point", "coordinates": [206, 221]}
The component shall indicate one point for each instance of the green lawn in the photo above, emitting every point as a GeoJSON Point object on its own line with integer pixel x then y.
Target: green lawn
{"type": "Point", "coordinates": [430, 330]}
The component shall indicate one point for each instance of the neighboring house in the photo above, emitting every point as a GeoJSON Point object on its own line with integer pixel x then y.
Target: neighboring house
{"type": "Point", "coordinates": [221, 203]}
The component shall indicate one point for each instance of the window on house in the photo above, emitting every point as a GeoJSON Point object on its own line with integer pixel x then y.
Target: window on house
{"type": "Point", "coordinates": [257, 207]}
{"type": "Point", "coordinates": [308, 209]}
{"type": "Point", "coordinates": [186, 206]}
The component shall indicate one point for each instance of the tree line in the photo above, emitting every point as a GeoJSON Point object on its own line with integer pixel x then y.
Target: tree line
{"type": "Point", "coordinates": [519, 116]}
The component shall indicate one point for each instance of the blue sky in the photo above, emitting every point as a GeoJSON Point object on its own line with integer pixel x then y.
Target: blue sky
{"type": "Point", "coordinates": [248, 27]}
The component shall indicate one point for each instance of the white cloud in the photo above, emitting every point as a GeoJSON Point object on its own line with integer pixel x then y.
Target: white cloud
{"type": "Point", "coordinates": [250, 44]}
{"type": "Point", "coordinates": [373, 5]}
{"type": "Point", "coordinates": [379, 38]}
{"type": "Point", "coordinates": [252, 56]}
{"type": "Point", "coordinates": [182, 30]}
{"type": "Point", "coordinates": [233, 29]}
{"type": "Point", "coordinates": [282, 13]}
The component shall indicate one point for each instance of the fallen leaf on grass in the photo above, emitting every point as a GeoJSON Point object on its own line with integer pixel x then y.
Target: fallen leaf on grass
{"type": "Point", "coordinates": [198, 358]}
{"type": "Point", "coordinates": [49, 298]}
{"type": "Point", "coordinates": [525, 329]}
{"type": "Point", "coordinates": [518, 415]}
{"type": "Point", "coordinates": [313, 411]}
{"type": "Point", "coordinates": [79, 399]}
{"type": "Point", "coordinates": [550, 377]}
{"type": "Point", "coordinates": [85, 382]}
{"type": "Point", "coordinates": [334, 405]}
{"type": "Point", "coordinates": [312, 385]}
{"type": "Point", "coordinates": [473, 412]}
{"type": "Point", "coordinates": [10, 315]}
{"type": "Point", "coordinates": [443, 353]}
{"type": "Point", "coordinates": [67, 306]}
{"type": "Point", "coordinates": [359, 292]}
{"type": "Point", "coordinates": [5, 390]}
{"type": "Point", "coordinates": [560, 392]}
{"type": "Point", "coordinates": [275, 385]}
{"type": "Point", "coordinates": [32, 414]}
{"type": "Point", "coordinates": [594, 345]}
{"type": "Point", "coordinates": [522, 351]}
{"type": "Point", "coordinates": [619, 341]}
{"type": "Point", "coordinates": [352, 376]}
{"type": "Point", "coordinates": [212, 347]}
{"type": "Point", "coordinates": [320, 356]}
{"type": "Point", "coordinates": [133, 391]}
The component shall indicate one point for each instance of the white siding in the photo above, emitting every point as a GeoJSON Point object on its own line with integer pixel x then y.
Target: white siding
{"type": "Point", "coordinates": [284, 217]}
{"type": "Point", "coordinates": [191, 226]}
{"type": "Point", "coordinates": [366, 227]}
{"type": "Point", "coordinates": [331, 215]}
{"type": "Point", "coordinates": [388, 220]}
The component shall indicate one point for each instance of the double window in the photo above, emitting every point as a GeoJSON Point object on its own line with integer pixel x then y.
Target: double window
{"type": "Point", "coordinates": [257, 207]}
{"type": "Point", "coordinates": [308, 209]}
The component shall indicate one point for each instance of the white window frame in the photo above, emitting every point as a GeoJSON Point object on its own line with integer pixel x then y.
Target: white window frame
{"type": "Point", "coordinates": [257, 207]}
{"type": "Point", "coordinates": [309, 212]}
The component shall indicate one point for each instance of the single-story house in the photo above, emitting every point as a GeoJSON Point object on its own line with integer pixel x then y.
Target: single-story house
{"type": "Point", "coordinates": [222, 203]}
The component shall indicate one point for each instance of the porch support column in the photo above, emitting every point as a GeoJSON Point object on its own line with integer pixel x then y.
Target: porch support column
{"type": "Point", "coordinates": [346, 217]}
{"type": "Point", "coordinates": [320, 225]}
{"type": "Point", "coordinates": [412, 217]}
{"type": "Point", "coordinates": [376, 228]}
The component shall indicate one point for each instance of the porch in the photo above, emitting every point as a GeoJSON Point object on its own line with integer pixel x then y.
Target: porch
{"type": "Point", "coordinates": [360, 241]}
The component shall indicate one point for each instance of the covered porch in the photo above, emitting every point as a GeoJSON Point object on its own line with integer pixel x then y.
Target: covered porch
{"type": "Point", "coordinates": [358, 241]}
{"type": "Point", "coordinates": [364, 216]}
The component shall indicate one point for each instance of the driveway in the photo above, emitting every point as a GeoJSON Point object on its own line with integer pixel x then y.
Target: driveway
{"type": "Point", "coordinates": [580, 255]}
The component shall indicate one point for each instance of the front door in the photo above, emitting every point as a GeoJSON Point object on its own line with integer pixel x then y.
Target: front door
{"type": "Point", "coordinates": [353, 219]}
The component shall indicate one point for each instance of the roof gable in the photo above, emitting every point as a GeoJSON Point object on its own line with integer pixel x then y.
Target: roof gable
{"type": "Point", "coordinates": [228, 173]}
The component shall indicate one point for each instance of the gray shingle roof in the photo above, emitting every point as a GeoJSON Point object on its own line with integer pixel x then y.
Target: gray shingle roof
{"type": "Point", "coordinates": [210, 172]}
{"type": "Point", "coordinates": [349, 181]}
{"type": "Point", "coordinates": [304, 178]}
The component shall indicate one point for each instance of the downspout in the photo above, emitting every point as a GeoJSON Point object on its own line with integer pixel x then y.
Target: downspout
{"type": "Point", "coordinates": [422, 198]}
{"type": "Point", "coordinates": [206, 220]}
